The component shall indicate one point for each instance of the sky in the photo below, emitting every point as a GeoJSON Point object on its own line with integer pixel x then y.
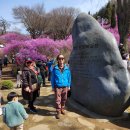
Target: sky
{"type": "Point", "coordinates": [6, 7]}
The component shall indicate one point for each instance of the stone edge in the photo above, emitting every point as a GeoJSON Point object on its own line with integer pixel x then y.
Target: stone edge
{"type": "Point", "coordinates": [91, 114]}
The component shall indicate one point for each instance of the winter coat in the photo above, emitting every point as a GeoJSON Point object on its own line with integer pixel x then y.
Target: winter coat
{"type": "Point", "coordinates": [1, 62]}
{"type": "Point", "coordinates": [28, 79]}
{"type": "Point", "coordinates": [5, 60]}
{"type": "Point", "coordinates": [42, 68]}
{"type": "Point", "coordinates": [61, 79]}
{"type": "Point", "coordinates": [14, 114]}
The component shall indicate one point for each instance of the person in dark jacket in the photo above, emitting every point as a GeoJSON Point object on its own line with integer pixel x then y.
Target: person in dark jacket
{"type": "Point", "coordinates": [6, 61]}
{"type": "Point", "coordinates": [42, 68]}
{"type": "Point", "coordinates": [29, 84]}
{"type": "Point", "coordinates": [1, 63]}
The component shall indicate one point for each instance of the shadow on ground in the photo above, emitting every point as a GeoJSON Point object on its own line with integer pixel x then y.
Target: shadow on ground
{"type": "Point", "coordinates": [123, 121]}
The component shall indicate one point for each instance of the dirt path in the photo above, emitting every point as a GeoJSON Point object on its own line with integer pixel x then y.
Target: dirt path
{"type": "Point", "coordinates": [76, 118]}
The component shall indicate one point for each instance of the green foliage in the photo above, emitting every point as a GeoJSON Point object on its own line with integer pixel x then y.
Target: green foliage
{"type": "Point", "coordinates": [105, 12]}
{"type": "Point", "coordinates": [100, 13]}
{"type": "Point", "coordinates": [108, 12]}
{"type": "Point", "coordinates": [113, 17]}
{"type": "Point", "coordinates": [123, 14]}
{"type": "Point", "coordinates": [6, 84]}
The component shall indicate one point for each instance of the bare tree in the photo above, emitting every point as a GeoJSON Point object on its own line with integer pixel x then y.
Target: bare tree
{"type": "Point", "coordinates": [33, 18]}
{"type": "Point", "coordinates": [3, 26]}
{"type": "Point", "coordinates": [60, 21]}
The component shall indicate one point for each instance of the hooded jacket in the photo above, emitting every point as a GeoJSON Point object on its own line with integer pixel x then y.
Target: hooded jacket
{"type": "Point", "coordinates": [61, 79]}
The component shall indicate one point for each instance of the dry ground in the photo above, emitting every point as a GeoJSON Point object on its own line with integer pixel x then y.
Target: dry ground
{"type": "Point", "coordinates": [75, 119]}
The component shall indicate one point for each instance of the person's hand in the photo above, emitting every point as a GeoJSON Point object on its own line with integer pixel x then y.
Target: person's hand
{"type": "Point", "coordinates": [27, 89]}
{"type": "Point", "coordinates": [53, 89]}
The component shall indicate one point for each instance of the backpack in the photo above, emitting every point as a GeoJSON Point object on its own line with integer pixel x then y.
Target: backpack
{"type": "Point", "coordinates": [39, 78]}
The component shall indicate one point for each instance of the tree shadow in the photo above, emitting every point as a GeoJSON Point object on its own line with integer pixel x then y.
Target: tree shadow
{"type": "Point", "coordinates": [45, 101]}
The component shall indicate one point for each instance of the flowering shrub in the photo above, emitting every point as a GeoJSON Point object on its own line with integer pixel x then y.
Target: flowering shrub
{"type": "Point", "coordinates": [23, 46]}
{"type": "Point", "coordinates": [39, 48]}
{"type": "Point", "coordinates": [14, 36]}
{"type": "Point", "coordinates": [114, 31]}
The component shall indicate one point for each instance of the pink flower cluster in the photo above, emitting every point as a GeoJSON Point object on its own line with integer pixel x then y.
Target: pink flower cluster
{"type": "Point", "coordinates": [14, 36]}
{"type": "Point", "coordinates": [114, 31]}
{"type": "Point", "coordinates": [39, 48]}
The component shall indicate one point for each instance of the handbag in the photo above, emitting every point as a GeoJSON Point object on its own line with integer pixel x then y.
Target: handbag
{"type": "Point", "coordinates": [34, 87]}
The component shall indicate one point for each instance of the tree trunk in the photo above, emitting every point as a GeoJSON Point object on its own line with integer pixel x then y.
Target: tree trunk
{"type": "Point", "coordinates": [123, 14]}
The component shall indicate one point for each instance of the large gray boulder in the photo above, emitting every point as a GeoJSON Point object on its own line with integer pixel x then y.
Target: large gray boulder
{"type": "Point", "coordinates": [100, 80]}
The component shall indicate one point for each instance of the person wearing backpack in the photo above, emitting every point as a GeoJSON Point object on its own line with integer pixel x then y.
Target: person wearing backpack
{"type": "Point", "coordinates": [42, 68]}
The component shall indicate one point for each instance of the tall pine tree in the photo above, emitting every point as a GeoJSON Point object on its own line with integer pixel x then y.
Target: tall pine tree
{"type": "Point", "coordinates": [108, 12]}
{"type": "Point", "coordinates": [113, 17]}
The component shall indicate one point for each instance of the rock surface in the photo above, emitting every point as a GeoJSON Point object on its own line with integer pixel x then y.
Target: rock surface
{"type": "Point", "coordinates": [100, 80]}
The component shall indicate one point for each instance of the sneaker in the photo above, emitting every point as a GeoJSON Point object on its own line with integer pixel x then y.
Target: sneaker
{"type": "Point", "coordinates": [31, 107]}
{"type": "Point", "coordinates": [33, 110]}
{"type": "Point", "coordinates": [63, 112]}
{"type": "Point", "coordinates": [58, 115]}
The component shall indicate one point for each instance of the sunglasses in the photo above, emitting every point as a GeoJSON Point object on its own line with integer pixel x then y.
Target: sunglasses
{"type": "Point", "coordinates": [60, 58]}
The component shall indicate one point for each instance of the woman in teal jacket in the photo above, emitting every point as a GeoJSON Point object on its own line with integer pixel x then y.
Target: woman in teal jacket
{"type": "Point", "coordinates": [60, 80]}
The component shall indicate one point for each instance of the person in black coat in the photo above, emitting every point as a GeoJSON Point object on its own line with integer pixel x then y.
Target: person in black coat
{"type": "Point", "coordinates": [42, 68]}
{"type": "Point", "coordinates": [6, 61]}
{"type": "Point", "coordinates": [1, 63]}
{"type": "Point", "coordinates": [29, 85]}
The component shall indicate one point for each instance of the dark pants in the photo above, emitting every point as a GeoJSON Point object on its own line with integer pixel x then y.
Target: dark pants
{"type": "Point", "coordinates": [0, 67]}
{"type": "Point", "coordinates": [49, 76]}
{"type": "Point", "coordinates": [31, 102]}
{"type": "Point", "coordinates": [43, 78]}
{"type": "Point", "coordinates": [5, 64]}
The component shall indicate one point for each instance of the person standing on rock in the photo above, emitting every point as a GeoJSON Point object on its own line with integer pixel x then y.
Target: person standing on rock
{"type": "Point", "coordinates": [60, 80]}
